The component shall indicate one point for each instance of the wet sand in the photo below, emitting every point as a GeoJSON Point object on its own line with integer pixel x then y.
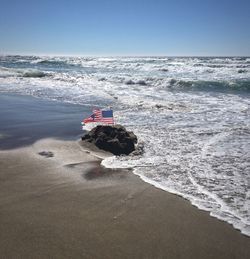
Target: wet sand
{"type": "Point", "coordinates": [68, 206]}
{"type": "Point", "coordinates": [56, 201]}
{"type": "Point", "coordinates": [25, 119]}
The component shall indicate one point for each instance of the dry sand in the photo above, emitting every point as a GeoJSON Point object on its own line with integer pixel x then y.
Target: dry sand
{"type": "Point", "coordinates": [68, 206]}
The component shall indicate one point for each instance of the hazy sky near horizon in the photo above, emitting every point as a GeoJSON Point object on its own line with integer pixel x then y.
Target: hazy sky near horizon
{"type": "Point", "coordinates": [125, 27]}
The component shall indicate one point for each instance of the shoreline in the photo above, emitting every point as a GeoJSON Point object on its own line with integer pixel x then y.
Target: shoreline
{"type": "Point", "coordinates": [57, 200]}
{"type": "Point", "coordinates": [154, 184]}
{"type": "Point", "coordinates": [101, 154]}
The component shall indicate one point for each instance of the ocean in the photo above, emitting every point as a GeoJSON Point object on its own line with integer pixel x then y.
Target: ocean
{"type": "Point", "coordinates": [191, 116]}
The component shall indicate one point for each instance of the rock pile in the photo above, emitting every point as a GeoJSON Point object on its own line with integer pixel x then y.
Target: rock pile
{"type": "Point", "coordinates": [115, 139]}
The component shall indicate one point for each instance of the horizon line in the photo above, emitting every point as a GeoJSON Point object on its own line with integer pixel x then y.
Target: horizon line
{"type": "Point", "coordinates": [120, 55]}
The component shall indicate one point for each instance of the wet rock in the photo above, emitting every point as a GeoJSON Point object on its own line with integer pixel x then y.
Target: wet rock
{"type": "Point", "coordinates": [159, 106]}
{"type": "Point", "coordinates": [102, 79]}
{"type": "Point", "coordinates": [240, 71]}
{"type": "Point", "coordinates": [141, 82]}
{"type": "Point", "coordinates": [46, 154]}
{"type": "Point", "coordinates": [115, 139]}
{"type": "Point", "coordinates": [129, 82]}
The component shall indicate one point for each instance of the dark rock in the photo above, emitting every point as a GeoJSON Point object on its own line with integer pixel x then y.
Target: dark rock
{"type": "Point", "coordinates": [141, 82]}
{"type": "Point", "coordinates": [115, 139]}
{"type": "Point", "coordinates": [159, 106]}
{"type": "Point", "coordinates": [240, 71]}
{"type": "Point", "coordinates": [102, 79]}
{"type": "Point", "coordinates": [129, 82]}
{"type": "Point", "coordinates": [46, 154]}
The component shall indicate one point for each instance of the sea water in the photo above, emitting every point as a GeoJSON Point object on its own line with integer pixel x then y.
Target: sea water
{"type": "Point", "coordinates": [191, 115]}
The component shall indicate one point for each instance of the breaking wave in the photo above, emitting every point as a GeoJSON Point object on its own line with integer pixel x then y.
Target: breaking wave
{"type": "Point", "coordinates": [176, 84]}
{"type": "Point", "coordinates": [11, 72]}
{"type": "Point", "coordinates": [237, 85]}
{"type": "Point", "coordinates": [33, 73]}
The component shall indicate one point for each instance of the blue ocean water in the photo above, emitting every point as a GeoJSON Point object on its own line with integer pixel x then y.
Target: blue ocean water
{"type": "Point", "coordinates": [191, 114]}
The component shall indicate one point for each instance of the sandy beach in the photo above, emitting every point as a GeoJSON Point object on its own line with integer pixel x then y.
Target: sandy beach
{"type": "Point", "coordinates": [62, 203]}
{"type": "Point", "coordinates": [68, 206]}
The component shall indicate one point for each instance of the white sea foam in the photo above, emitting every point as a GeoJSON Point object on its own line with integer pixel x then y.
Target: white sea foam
{"type": "Point", "coordinates": [195, 130]}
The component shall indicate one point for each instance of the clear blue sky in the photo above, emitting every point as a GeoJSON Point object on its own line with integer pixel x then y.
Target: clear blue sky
{"type": "Point", "coordinates": [125, 27]}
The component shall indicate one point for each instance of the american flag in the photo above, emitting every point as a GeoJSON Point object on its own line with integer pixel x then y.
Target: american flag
{"type": "Point", "coordinates": [105, 116]}
{"type": "Point", "coordinates": [91, 118]}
